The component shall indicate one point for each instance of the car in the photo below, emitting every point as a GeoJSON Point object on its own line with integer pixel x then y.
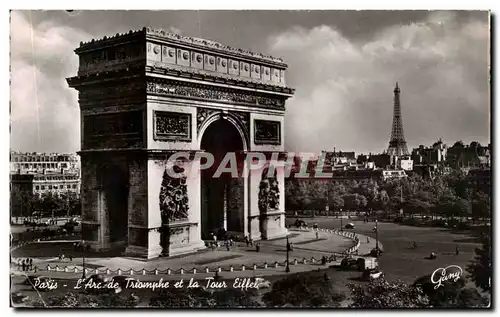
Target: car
{"type": "Point", "coordinates": [372, 274]}
{"type": "Point", "coordinates": [376, 252]}
{"type": "Point", "coordinates": [399, 220]}
{"type": "Point", "coordinates": [349, 226]}
{"type": "Point", "coordinates": [300, 223]}
{"type": "Point", "coordinates": [348, 264]}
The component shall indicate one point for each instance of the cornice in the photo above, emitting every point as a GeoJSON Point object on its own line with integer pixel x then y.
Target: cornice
{"type": "Point", "coordinates": [194, 42]}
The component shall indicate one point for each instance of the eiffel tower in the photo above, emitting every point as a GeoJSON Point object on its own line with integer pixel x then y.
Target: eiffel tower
{"type": "Point", "coordinates": [397, 144]}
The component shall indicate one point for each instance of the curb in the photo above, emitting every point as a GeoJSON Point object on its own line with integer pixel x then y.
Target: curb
{"type": "Point", "coordinates": [195, 270]}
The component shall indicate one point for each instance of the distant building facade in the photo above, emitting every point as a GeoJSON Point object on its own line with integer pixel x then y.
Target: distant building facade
{"type": "Point", "coordinates": [39, 173]}
{"type": "Point", "coordinates": [39, 184]}
{"type": "Point", "coordinates": [436, 154]}
{"type": "Point", "coordinates": [26, 163]}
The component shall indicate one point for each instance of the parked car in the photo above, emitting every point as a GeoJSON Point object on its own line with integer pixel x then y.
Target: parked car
{"type": "Point", "coordinates": [376, 252]}
{"type": "Point", "coordinates": [349, 264]}
{"type": "Point", "coordinates": [349, 226]}
{"type": "Point", "coordinates": [300, 223]}
{"type": "Point", "coordinates": [398, 219]}
{"type": "Point", "coordinates": [371, 274]}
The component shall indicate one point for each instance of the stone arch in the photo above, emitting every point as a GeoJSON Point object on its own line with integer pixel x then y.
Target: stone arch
{"type": "Point", "coordinates": [235, 121]}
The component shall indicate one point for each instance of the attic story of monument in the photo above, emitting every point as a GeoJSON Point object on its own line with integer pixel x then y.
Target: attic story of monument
{"type": "Point", "coordinates": [147, 94]}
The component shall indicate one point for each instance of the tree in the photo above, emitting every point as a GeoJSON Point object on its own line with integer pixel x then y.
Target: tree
{"type": "Point", "coordinates": [445, 295]}
{"type": "Point", "coordinates": [480, 269]}
{"type": "Point", "coordinates": [382, 294]}
{"type": "Point", "coordinates": [303, 290]}
{"type": "Point", "coordinates": [481, 205]}
{"type": "Point", "coordinates": [335, 202]}
{"type": "Point", "coordinates": [469, 298]}
{"type": "Point", "coordinates": [417, 206]}
{"type": "Point", "coordinates": [73, 300]}
{"type": "Point", "coordinates": [461, 207]}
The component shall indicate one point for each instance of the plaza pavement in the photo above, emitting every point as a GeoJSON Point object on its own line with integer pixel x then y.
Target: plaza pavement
{"type": "Point", "coordinates": [305, 246]}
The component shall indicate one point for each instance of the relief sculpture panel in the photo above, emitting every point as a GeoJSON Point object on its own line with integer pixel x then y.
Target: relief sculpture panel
{"type": "Point", "coordinates": [267, 132]}
{"type": "Point", "coordinates": [172, 126]}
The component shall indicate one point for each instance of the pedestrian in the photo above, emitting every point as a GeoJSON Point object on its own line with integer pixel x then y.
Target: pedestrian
{"type": "Point", "coordinates": [247, 241]}
{"type": "Point", "coordinates": [317, 235]}
{"type": "Point", "coordinates": [323, 260]}
{"type": "Point", "coordinates": [367, 240]}
{"type": "Point", "coordinates": [257, 247]}
{"type": "Point", "coordinates": [71, 258]}
{"type": "Point", "coordinates": [31, 263]}
{"type": "Point", "coordinates": [227, 245]}
{"type": "Point", "coordinates": [23, 265]}
{"type": "Point", "coordinates": [457, 250]}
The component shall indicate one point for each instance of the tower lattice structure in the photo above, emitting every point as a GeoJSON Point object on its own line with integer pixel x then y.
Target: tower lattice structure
{"type": "Point", "coordinates": [397, 143]}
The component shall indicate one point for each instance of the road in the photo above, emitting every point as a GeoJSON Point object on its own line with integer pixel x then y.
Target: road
{"type": "Point", "coordinates": [399, 259]}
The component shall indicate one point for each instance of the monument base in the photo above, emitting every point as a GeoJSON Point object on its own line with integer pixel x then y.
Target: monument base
{"type": "Point", "coordinates": [272, 225]}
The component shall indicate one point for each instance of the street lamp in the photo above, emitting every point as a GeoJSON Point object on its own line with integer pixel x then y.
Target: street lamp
{"type": "Point", "coordinates": [287, 255]}
{"type": "Point", "coordinates": [376, 235]}
{"type": "Point", "coordinates": [83, 258]}
{"type": "Point", "coordinates": [341, 226]}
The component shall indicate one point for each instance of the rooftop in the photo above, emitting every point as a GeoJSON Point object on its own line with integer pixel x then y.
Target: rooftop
{"type": "Point", "coordinates": [192, 41]}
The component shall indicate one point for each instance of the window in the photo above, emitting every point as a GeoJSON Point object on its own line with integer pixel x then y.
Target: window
{"type": "Point", "coordinates": [68, 186]}
{"type": "Point", "coordinates": [61, 186]}
{"type": "Point", "coordinates": [50, 186]}
{"type": "Point", "coordinates": [37, 187]}
{"type": "Point", "coordinates": [43, 187]}
{"type": "Point", "coordinates": [74, 186]}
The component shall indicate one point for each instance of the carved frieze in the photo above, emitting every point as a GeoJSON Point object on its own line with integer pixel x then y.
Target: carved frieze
{"type": "Point", "coordinates": [172, 126]}
{"type": "Point", "coordinates": [110, 58]}
{"type": "Point", "coordinates": [174, 204]}
{"type": "Point", "coordinates": [267, 132]}
{"type": "Point", "coordinates": [216, 94]}
{"type": "Point", "coordinates": [202, 115]}
{"type": "Point", "coordinates": [113, 130]}
{"type": "Point", "coordinates": [244, 120]}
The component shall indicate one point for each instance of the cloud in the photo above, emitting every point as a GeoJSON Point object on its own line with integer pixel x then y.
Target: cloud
{"type": "Point", "coordinates": [344, 87]}
{"type": "Point", "coordinates": [44, 111]}
{"type": "Point", "coordinates": [343, 84]}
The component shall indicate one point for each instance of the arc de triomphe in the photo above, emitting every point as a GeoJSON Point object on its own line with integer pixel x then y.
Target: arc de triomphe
{"type": "Point", "coordinates": [148, 94]}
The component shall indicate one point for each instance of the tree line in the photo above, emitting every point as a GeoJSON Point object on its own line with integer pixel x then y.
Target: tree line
{"type": "Point", "coordinates": [452, 195]}
{"type": "Point", "coordinates": [25, 204]}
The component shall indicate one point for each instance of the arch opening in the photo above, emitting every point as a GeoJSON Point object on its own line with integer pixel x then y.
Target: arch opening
{"type": "Point", "coordinates": [222, 206]}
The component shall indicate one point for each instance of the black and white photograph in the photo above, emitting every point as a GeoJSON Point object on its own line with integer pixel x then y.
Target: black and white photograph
{"type": "Point", "coordinates": [277, 159]}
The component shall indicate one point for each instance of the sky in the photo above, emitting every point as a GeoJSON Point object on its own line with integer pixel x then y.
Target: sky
{"type": "Point", "coordinates": [342, 64]}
